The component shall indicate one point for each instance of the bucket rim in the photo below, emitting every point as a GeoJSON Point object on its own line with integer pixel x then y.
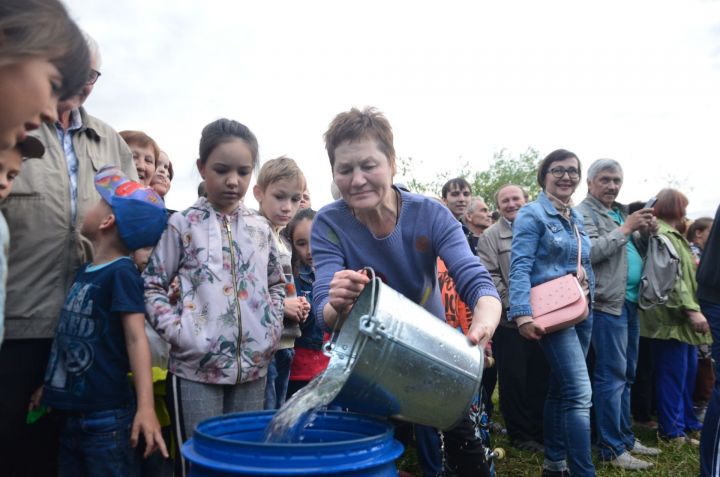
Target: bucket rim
{"type": "Point", "coordinates": [389, 430]}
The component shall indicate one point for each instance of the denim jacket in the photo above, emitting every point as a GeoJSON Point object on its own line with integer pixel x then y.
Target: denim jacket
{"type": "Point", "coordinates": [312, 334]}
{"type": "Point", "coordinates": [544, 247]}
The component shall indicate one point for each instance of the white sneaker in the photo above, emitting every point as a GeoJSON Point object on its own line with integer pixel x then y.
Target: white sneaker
{"type": "Point", "coordinates": [627, 462]}
{"type": "Point", "coordinates": [641, 449]}
{"type": "Point", "coordinates": [683, 440]}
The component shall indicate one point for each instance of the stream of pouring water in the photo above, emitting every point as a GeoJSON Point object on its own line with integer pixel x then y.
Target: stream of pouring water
{"type": "Point", "coordinates": [299, 411]}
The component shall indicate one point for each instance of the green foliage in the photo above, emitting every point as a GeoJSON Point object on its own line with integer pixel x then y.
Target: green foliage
{"type": "Point", "coordinates": [406, 175]}
{"type": "Point", "coordinates": [504, 169]}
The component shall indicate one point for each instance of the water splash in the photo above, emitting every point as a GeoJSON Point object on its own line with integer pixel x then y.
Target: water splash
{"type": "Point", "coordinates": [298, 412]}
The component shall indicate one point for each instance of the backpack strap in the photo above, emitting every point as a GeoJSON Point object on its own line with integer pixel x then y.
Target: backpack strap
{"type": "Point", "coordinates": [669, 245]}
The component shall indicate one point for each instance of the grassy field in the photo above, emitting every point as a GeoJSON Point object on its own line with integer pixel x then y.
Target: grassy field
{"type": "Point", "coordinates": [672, 462]}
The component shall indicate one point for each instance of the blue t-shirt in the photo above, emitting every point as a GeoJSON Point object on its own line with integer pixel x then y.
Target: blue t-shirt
{"type": "Point", "coordinates": [88, 365]}
{"type": "Point", "coordinates": [634, 262]}
{"type": "Point", "coordinates": [635, 267]}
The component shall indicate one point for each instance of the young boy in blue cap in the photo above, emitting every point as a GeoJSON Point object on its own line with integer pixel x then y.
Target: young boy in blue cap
{"type": "Point", "coordinates": [100, 337]}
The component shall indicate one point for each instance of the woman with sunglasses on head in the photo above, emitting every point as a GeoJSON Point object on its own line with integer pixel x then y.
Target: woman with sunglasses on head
{"type": "Point", "coordinates": [546, 237]}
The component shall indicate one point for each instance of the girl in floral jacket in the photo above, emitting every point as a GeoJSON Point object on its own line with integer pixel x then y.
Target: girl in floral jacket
{"type": "Point", "coordinates": [224, 322]}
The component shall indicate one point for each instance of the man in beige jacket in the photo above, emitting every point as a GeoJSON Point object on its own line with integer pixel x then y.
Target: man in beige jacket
{"type": "Point", "coordinates": [44, 213]}
{"type": "Point", "coordinates": [522, 369]}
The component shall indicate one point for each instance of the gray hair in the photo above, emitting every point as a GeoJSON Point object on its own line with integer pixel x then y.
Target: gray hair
{"type": "Point", "coordinates": [473, 204]}
{"type": "Point", "coordinates": [602, 165]}
{"type": "Point", "coordinates": [94, 48]}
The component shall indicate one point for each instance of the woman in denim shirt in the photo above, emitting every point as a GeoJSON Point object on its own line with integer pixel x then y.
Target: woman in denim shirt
{"type": "Point", "coordinates": [544, 247]}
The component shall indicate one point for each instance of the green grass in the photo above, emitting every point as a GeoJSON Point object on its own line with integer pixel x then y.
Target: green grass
{"type": "Point", "coordinates": [672, 462]}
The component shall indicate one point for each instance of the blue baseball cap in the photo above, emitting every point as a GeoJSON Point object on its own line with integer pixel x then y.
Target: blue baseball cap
{"type": "Point", "coordinates": [139, 211]}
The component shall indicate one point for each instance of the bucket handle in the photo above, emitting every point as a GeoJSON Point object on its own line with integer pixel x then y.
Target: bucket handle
{"type": "Point", "coordinates": [330, 344]}
{"type": "Point", "coordinates": [371, 275]}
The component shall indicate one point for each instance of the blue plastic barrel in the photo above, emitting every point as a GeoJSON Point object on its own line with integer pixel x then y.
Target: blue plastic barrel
{"type": "Point", "coordinates": [337, 443]}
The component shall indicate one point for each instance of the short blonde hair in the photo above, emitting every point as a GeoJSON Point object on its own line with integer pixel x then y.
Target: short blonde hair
{"type": "Point", "coordinates": [281, 168]}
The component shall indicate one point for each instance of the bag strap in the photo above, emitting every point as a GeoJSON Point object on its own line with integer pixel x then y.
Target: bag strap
{"type": "Point", "coordinates": [579, 258]}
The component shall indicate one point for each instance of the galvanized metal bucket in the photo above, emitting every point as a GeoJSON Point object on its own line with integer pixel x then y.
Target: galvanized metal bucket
{"type": "Point", "coordinates": [405, 362]}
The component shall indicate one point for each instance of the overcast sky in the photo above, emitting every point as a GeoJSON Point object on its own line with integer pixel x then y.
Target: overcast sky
{"type": "Point", "coordinates": [635, 81]}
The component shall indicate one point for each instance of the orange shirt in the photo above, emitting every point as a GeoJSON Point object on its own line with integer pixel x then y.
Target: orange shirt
{"type": "Point", "coordinates": [457, 313]}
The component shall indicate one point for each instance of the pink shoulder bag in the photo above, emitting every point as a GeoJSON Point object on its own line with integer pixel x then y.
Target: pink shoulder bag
{"type": "Point", "coordinates": [560, 303]}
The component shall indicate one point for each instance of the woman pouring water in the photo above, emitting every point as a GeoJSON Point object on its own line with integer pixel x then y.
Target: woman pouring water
{"type": "Point", "coordinates": [400, 235]}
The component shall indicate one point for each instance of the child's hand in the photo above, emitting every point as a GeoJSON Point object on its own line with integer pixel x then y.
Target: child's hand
{"type": "Point", "coordinates": [294, 309]}
{"type": "Point", "coordinates": [305, 306]}
{"type": "Point", "coordinates": [146, 422]}
{"type": "Point", "coordinates": [35, 398]}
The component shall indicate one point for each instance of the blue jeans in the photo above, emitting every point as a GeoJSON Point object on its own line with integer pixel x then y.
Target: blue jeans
{"type": "Point", "coordinates": [277, 378]}
{"type": "Point", "coordinates": [675, 372]}
{"type": "Point", "coordinates": [710, 439]}
{"type": "Point", "coordinates": [428, 449]}
{"type": "Point", "coordinates": [616, 340]}
{"type": "Point", "coordinates": [96, 443]}
{"type": "Point", "coordinates": [566, 420]}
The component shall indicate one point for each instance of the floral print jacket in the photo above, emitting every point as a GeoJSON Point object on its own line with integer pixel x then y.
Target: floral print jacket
{"type": "Point", "coordinates": [225, 324]}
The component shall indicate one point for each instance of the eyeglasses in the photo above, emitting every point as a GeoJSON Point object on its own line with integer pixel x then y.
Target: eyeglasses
{"type": "Point", "coordinates": [559, 172]}
{"type": "Point", "coordinates": [93, 76]}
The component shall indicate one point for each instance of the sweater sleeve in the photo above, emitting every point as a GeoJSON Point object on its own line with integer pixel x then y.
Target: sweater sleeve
{"type": "Point", "coordinates": [162, 267]}
{"type": "Point", "coordinates": [327, 258]}
{"type": "Point", "coordinates": [472, 279]}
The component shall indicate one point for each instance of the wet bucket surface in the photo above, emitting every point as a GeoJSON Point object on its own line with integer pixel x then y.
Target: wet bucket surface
{"type": "Point", "coordinates": [405, 362]}
{"type": "Point", "coordinates": [337, 443]}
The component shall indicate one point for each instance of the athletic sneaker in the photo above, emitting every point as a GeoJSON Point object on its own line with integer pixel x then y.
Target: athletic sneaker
{"type": "Point", "coordinates": [628, 462]}
{"type": "Point", "coordinates": [640, 449]}
{"type": "Point", "coordinates": [683, 440]}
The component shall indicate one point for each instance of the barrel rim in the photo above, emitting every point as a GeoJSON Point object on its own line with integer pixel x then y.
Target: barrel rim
{"type": "Point", "coordinates": [386, 424]}
{"type": "Point", "coordinates": [335, 457]}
